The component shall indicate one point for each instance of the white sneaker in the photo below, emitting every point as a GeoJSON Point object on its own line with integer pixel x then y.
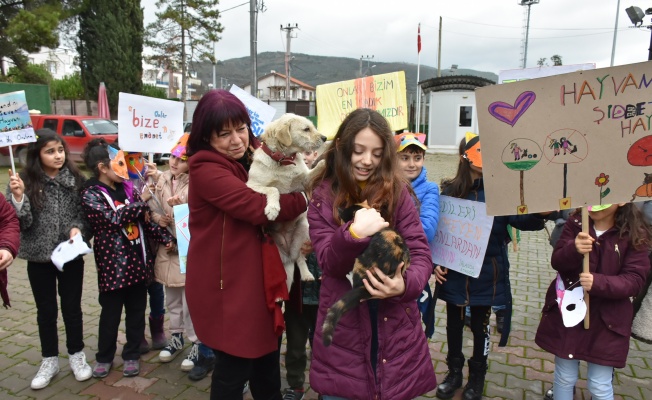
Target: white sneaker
{"type": "Point", "coordinates": [191, 358]}
{"type": "Point", "coordinates": [79, 366]}
{"type": "Point", "coordinates": [49, 368]}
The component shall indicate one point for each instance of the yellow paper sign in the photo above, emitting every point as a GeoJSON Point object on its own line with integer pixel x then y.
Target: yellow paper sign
{"type": "Point", "coordinates": [384, 93]}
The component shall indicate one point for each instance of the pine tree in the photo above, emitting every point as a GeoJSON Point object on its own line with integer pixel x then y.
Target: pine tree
{"type": "Point", "coordinates": [184, 33]}
{"type": "Point", "coordinates": [110, 47]}
{"type": "Point", "coordinates": [25, 26]}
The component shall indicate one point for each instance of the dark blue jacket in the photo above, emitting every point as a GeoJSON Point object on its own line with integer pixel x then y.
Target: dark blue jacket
{"type": "Point", "coordinates": [492, 286]}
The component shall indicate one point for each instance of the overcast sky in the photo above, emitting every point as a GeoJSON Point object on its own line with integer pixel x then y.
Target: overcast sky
{"type": "Point", "coordinates": [476, 34]}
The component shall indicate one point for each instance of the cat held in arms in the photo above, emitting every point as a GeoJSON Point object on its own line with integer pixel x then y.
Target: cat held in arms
{"type": "Point", "coordinates": [386, 251]}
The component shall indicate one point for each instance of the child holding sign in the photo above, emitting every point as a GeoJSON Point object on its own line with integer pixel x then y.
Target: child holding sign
{"type": "Point", "coordinates": [491, 287]}
{"type": "Point", "coordinates": [618, 241]}
{"type": "Point", "coordinates": [121, 224]}
{"type": "Point", "coordinates": [171, 189]}
{"type": "Point", "coordinates": [46, 197]}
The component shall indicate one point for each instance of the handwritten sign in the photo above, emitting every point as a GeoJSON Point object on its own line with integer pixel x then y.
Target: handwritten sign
{"type": "Point", "coordinates": [566, 141]}
{"type": "Point", "coordinates": [181, 213]}
{"type": "Point", "coordinates": [385, 93]}
{"type": "Point", "coordinates": [462, 235]}
{"type": "Point", "coordinates": [260, 112]}
{"type": "Point", "coordinates": [148, 124]}
{"type": "Point", "coordinates": [15, 123]}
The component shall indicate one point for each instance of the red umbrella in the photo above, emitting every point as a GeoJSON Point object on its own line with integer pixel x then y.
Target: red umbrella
{"type": "Point", "coordinates": [103, 103]}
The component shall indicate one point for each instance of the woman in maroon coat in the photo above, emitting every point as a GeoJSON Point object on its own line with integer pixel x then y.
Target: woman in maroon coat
{"type": "Point", "coordinates": [225, 288]}
{"type": "Point", "coordinates": [617, 243]}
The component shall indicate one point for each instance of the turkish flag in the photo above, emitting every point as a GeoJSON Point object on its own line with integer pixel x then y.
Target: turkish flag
{"type": "Point", "coordinates": [419, 39]}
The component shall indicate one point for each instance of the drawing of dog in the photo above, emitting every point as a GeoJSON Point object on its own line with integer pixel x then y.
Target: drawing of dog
{"type": "Point", "coordinates": [277, 168]}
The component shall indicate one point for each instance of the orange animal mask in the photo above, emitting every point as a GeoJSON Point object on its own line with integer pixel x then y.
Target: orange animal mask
{"type": "Point", "coordinates": [118, 163]}
{"type": "Point", "coordinates": [472, 150]}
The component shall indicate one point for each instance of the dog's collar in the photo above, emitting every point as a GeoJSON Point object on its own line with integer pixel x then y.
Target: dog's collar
{"type": "Point", "coordinates": [279, 157]}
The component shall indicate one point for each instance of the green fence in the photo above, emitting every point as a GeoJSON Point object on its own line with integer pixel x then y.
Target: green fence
{"type": "Point", "coordinates": [38, 96]}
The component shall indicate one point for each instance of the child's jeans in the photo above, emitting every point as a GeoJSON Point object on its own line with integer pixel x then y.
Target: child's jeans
{"type": "Point", "coordinates": [599, 380]}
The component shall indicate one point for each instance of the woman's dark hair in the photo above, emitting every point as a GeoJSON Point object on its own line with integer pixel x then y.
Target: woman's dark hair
{"type": "Point", "coordinates": [216, 109]}
{"type": "Point", "coordinates": [96, 152]}
{"type": "Point", "coordinates": [383, 189]}
{"type": "Point", "coordinates": [32, 174]}
{"type": "Point", "coordinates": [459, 186]}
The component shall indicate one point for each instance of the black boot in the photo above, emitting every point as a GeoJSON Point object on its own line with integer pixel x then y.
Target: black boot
{"type": "Point", "coordinates": [453, 380]}
{"type": "Point", "coordinates": [475, 386]}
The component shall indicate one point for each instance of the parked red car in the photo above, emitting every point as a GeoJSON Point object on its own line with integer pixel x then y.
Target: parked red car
{"type": "Point", "coordinates": [76, 130]}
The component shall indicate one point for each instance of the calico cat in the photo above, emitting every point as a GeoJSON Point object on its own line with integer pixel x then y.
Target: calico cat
{"type": "Point", "coordinates": [386, 250]}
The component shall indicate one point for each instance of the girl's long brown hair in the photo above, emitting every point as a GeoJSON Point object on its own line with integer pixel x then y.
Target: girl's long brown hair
{"type": "Point", "coordinates": [383, 189]}
{"type": "Point", "coordinates": [460, 185]}
{"type": "Point", "coordinates": [630, 220]}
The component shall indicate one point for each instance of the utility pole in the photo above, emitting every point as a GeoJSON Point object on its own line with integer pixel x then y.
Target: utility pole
{"type": "Point", "coordinates": [253, 24]}
{"type": "Point", "coordinates": [214, 61]}
{"type": "Point", "coordinates": [368, 59]}
{"type": "Point", "coordinates": [288, 35]}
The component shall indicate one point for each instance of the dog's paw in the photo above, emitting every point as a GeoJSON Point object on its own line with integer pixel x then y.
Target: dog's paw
{"type": "Point", "coordinates": [271, 211]}
{"type": "Point", "coordinates": [307, 276]}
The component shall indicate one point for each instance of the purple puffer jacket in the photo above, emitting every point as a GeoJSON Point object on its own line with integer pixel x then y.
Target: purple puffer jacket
{"type": "Point", "coordinates": [404, 368]}
{"type": "Point", "coordinates": [619, 272]}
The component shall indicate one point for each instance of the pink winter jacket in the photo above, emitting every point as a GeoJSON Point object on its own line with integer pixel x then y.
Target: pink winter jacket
{"type": "Point", "coordinates": [404, 367]}
{"type": "Point", "coordinates": [167, 270]}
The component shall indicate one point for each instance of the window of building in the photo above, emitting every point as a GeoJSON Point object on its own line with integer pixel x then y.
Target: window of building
{"type": "Point", "coordinates": [466, 116]}
{"type": "Point", "coordinates": [52, 67]}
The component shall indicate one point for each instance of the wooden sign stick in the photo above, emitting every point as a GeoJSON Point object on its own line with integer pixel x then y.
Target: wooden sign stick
{"type": "Point", "coordinates": [585, 263]}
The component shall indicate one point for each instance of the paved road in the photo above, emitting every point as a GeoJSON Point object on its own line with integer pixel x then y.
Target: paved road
{"type": "Point", "coordinates": [519, 371]}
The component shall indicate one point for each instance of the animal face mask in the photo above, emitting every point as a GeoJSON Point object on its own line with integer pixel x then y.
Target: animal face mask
{"type": "Point", "coordinates": [472, 149]}
{"type": "Point", "coordinates": [118, 163]}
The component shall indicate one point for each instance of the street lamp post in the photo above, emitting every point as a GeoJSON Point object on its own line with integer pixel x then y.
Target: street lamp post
{"type": "Point", "coordinates": [636, 15]}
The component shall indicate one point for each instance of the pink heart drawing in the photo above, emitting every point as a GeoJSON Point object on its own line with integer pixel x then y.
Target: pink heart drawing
{"type": "Point", "coordinates": [510, 114]}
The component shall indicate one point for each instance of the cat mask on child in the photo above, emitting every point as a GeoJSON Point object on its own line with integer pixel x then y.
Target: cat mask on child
{"type": "Point", "coordinates": [118, 163]}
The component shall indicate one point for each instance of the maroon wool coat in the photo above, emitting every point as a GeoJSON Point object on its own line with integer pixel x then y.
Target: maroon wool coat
{"type": "Point", "coordinates": [619, 272]}
{"type": "Point", "coordinates": [224, 272]}
{"type": "Point", "coordinates": [9, 227]}
{"type": "Point", "coordinates": [404, 369]}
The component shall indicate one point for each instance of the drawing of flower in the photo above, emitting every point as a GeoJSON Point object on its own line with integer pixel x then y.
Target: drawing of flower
{"type": "Point", "coordinates": [601, 181]}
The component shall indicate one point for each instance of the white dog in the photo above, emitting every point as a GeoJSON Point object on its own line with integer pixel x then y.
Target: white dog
{"type": "Point", "coordinates": [277, 168]}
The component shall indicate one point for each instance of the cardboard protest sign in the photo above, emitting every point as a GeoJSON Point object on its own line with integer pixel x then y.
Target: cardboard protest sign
{"type": "Point", "coordinates": [385, 93]}
{"type": "Point", "coordinates": [567, 141]}
{"type": "Point", "coordinates": [260, 112]}
{"type": "Point", "coordinates": [147, 124]}
{"type": "Point", "coordinates": [15, 123]}
{"type": "Point", "coordinates": [181, 213]}
{"type": "Point", "coordinates": [462, 235]}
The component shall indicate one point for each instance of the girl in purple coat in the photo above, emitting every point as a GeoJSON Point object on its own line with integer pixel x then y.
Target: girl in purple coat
{"type": "Point", "coordinates": [617, 243]}
{"type": "Point", "coordinates": [379, 350]}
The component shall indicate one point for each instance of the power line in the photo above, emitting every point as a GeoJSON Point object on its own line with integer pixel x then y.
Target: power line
{"type": "Point", "coordinates": [531, 38]}
{"type": "Point", "coordinates": [520, 27]}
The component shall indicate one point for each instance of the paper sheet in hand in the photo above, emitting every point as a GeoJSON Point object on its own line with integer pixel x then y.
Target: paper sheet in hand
{"type": "Point", "coordinates": [69, 250]}
{"type": "Point", "coordinates": [181, 213]}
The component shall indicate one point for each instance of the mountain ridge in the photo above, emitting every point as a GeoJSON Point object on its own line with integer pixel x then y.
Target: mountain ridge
{"type": "Point", "coordinates": [317, 70]}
